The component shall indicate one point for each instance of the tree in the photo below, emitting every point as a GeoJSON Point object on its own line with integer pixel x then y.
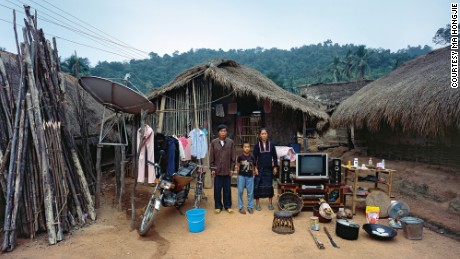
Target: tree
{"type": "Point", "coordinates": [336, 69]}
{"type": "Point", "coordinates": [360, 65]}
{"type": "Point", "coordinates": [442, 36]}
{"type": "Point", "coordinates": [347, 63]}
{"type": "Point", "coordinates": [2, 49]}
{"type": "Point", "coordinates": [76, 66]}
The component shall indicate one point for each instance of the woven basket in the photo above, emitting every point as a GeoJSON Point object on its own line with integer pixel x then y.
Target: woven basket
{"type": "Point", "coordinates": [289, 197]}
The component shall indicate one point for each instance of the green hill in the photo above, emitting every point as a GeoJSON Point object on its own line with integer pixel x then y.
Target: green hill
{"type": "Point", "coordinates": [323, 62]}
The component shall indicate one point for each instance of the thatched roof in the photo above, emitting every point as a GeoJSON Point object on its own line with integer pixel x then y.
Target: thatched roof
{"type": "Point", "coordinates": [243, 81]}
{"type": "Point", "coordinates": [93, 112]}
{"type": "Point", "coordinates": [331, 95]}
{"type": "Point", "coordinates": [416, 97]}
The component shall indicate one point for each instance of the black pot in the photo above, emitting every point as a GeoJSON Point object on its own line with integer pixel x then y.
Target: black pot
{"type": "Point", "coordinates": [347, 229]}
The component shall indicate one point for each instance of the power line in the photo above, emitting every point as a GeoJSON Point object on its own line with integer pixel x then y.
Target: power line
{"type": "Point", "coordinates": [75, 30]}
{"type": "Point", "coordinates": [133, 50]}
{"type": "Point", "coordinates": [124, 44]}
{"type": "Point", "coordinates": [74, 42]}
{"type": "Point", "coordinates": [65, 25]}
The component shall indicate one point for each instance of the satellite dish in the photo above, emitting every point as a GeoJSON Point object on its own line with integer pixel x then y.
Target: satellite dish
{"type": "Point", "coordinates": [116, 96]}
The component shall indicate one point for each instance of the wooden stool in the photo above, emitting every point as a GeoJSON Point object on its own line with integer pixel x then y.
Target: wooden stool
{"type": "Point", "coordinates": [282, 222]}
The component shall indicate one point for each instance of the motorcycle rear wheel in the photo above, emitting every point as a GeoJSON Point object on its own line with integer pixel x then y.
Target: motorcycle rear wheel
{"type": "Point", "coordinates": [147, 219]}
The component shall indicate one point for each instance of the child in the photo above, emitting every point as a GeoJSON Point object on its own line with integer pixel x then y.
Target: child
{"type": "Point", "coordinates": [246, 171]}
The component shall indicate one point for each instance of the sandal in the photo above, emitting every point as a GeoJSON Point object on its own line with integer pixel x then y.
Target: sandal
{"type": "Point", "coordinates": [258, 208]}
{"type": "Point", "coordinates": [217, 211]}
{"type": "Point", "coordinates": [270, 207]}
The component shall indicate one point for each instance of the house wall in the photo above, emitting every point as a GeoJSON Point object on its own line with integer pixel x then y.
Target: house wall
{"type": "Point", "coordinates": [391, 144]}
{"type": "Point", "coordinates": [282, 124]}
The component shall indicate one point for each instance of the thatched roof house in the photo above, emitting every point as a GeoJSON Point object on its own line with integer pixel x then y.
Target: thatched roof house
{"type": "Point", "coordinates": [227, 84]}
{"type": "Point", "coordinates": [330, 95]}
{"type": "Point", "coordinates": [93, 110]}
{"type": "Point", "coordinates": [413, 106]}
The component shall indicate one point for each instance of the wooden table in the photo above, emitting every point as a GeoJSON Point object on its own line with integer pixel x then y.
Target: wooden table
{"type": "Point", "coordinates": [355, 172]}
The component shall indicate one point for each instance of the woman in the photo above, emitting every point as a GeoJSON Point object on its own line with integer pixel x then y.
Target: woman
{"type": "Point", "coordinates": [267, 166]}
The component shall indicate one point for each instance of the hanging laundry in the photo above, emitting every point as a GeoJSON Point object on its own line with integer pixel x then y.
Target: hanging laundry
{"type": "Point", "coordinates": [267, 106]}
{"type": "Point", "coordinates": [285, 151]}
{"type": "Point", "coordinates": [199, 143]}
{"type": "Point", "coordinates": [181, 149]}
{"type": "Point", "coordinates": [232, 108]}
{"type": "Point", "coordinates": [186, 145]}
{"type": "Point", "coordinates": [220, 110]}
{"type": "Point", "coordinates": [173, 156]}
{"type": "Point", "coordinates": [146, 144]}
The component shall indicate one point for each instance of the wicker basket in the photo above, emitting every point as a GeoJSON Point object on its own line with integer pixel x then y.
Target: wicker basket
{"type": "Point", "coordinates": [289, 197]}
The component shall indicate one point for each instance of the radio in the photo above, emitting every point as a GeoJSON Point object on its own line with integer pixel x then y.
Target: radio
{"type": "Point", "coordinates": [335, 170]}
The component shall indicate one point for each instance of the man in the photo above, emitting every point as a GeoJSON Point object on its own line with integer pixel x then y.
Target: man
{"type": "Point", "coordinates": [222, 157]}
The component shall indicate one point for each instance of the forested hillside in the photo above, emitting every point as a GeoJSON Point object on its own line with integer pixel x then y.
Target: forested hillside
{"type": "Point", "coordinates": [323, 62]}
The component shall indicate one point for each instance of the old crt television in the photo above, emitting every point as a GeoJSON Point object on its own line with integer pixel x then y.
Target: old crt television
{"type": "Point", "coordinates": [312, 166]}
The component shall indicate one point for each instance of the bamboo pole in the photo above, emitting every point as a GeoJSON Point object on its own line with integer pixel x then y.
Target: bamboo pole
{"type": "Point", "coordinates": [23, 129]}
{"type": "Point", "coordinates": [133, 191]}
{"type": "Point", "coordinates": [98, 175]}
{"type": "Point", "coordinates": [122, 177]}
{"type": "Point", "coordinates": [194, 104]}
{"type": "Point", "coordinates": [42, 155]}
{"type": "Point", "coordinates": [161, 116]}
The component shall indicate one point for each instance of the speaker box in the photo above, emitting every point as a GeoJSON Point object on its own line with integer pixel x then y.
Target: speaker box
{"type": "Point", "coordinates": [335, 170]}
{"type": "Point", "coordinates": [285, 170]}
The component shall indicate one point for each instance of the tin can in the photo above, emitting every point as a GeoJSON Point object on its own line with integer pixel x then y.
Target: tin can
{"type": "Point", "coordinates": [314, 223]}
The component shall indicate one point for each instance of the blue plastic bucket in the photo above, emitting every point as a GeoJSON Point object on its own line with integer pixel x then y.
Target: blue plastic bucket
{"type": "Point", "coordinates": [195, 218]}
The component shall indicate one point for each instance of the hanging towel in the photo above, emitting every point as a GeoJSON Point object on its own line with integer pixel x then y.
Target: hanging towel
{"type": "Point", "coordinates": [232, 108]}
{"type": "Point", "coordinates": [220, 110]}
{"type": "Point", "coordinates": [147, 144]}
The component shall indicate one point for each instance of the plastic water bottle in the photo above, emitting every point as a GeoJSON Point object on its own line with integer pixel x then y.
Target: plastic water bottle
{"type": "Point", "coordinates": [383, 163]}
{"type": "Point", "coordinates": [370, 160]}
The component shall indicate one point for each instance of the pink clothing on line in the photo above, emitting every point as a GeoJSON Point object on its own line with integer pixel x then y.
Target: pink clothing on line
{"type": "Point", "coordinates": [146, 144]}
{"type": "Point", "coordinates": [285, 151]}
{"type": "Point", "coordinates": [232, 108]}
{"type": "Point", "coordinates": [188, 149]}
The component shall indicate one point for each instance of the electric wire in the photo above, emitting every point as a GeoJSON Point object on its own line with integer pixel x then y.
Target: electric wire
{"type": "Point", "coordinates": [92, 37]}
{"type": "Point", "coordinates": [124, 54]}
{"type": "Point", "coordinates": [94, 34]}
{"type": "Point", "coordinates": [125, 44]}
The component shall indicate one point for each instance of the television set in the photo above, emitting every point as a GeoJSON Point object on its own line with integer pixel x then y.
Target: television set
{"type": "Point", "coordinates": [312, 166]}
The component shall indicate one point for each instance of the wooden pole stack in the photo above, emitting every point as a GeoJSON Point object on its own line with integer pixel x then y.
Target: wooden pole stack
{"type": "Point", "coordinates": [41, 176]}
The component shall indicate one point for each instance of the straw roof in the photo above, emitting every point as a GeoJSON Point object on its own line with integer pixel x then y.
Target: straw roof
{"type": "Point", "coordinates": [331, 94]}
{"type": "Point", "coordinates": [416, 97]}
{"type": "Point", "coordinates": [243, 81]}
{"type": "Point", "coordinates": [93, 112]}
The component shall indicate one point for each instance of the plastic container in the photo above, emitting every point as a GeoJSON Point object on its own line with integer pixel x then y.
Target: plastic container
{"type": "Point", "coordinates": [196, 220]}
{"type": "Point", "coordinates": [412, 227]}
{"type": "Point", "coordinates": [356, 163]}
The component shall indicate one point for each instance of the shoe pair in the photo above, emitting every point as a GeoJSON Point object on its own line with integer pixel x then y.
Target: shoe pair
{"type": "Point", "coordinates": [250, 210]}
{"type": "Point", "coordinates": [217, 211]}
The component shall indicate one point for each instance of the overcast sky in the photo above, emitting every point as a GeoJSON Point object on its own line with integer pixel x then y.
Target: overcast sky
{"type": "Point", "coordinates": [102, 29]}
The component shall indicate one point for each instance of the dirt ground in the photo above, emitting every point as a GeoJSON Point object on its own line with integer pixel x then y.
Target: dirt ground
{"type": "Point", "coordinates": [250, 236]}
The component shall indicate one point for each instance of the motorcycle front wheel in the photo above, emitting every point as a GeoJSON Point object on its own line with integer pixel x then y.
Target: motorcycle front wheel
{"type": "Point", "coordinates": [147, 219]}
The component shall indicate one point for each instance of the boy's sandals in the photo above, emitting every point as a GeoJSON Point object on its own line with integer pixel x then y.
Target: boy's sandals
{"type": "Point", "coordinates": [270, 207]}
{"type": "Point", "coordinates": [217, 211]}
{"type": "Point", "coordinates": [258, 208]}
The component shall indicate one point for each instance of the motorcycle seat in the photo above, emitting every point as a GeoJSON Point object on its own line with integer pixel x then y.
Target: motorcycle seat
{"type": "Point", "coordinates": [186, 170]}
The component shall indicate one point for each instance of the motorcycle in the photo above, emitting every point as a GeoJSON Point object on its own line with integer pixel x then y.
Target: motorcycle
{"type": "Point", "coordinates": [171, 191]}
